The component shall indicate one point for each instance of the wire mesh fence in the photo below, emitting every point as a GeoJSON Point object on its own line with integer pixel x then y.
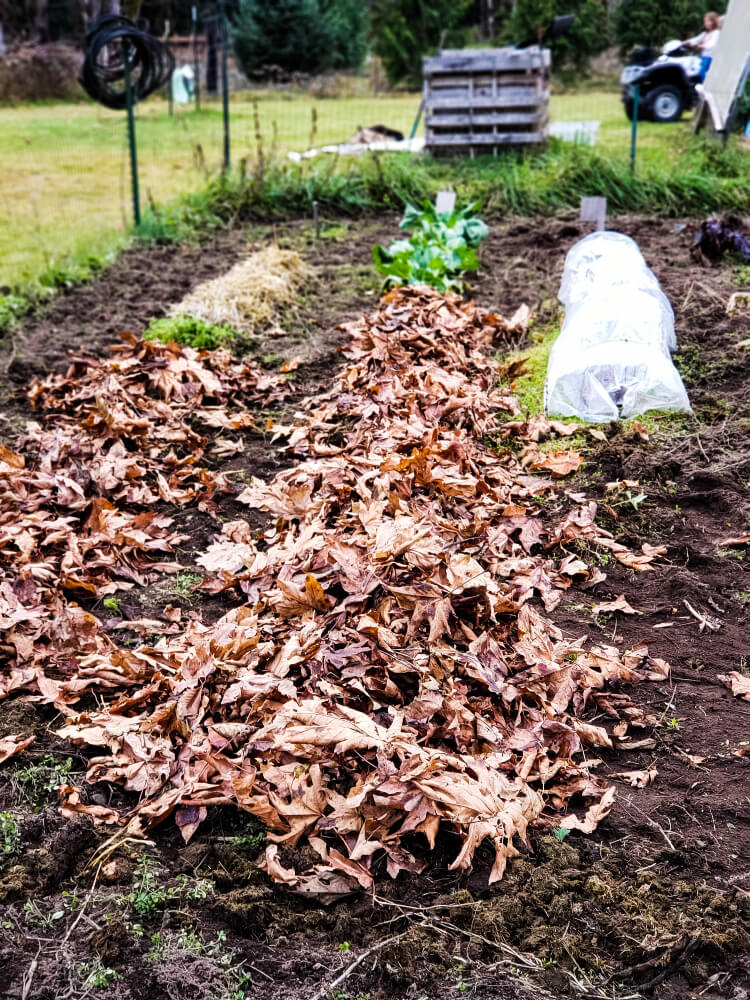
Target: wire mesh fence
{"type": "Point", "coordinates": [64, 169]}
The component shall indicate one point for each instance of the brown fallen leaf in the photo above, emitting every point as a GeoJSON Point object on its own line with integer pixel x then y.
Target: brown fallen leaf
{"type": "Point", "coordinates": [11, 745]}
{"type": "Point", "coordinates": [72, 805]}
{"type": "Point", "coordinates": [738, 684]}
{"type": "Point", "coordinates": [559, 463]}
{"type": "Point", "coordinates": [594, 814]}
{"type": "Point", "coordinates": [619, 604]}
{"type": "Point", "coordinates": [638, 779]}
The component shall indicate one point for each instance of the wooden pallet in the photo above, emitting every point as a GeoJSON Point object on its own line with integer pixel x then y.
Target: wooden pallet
{"type": "Point", "coordinates": [480, 100]}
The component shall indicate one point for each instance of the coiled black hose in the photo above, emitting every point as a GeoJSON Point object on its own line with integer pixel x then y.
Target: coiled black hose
{"type": "Point", "coordinates": [111, 40]}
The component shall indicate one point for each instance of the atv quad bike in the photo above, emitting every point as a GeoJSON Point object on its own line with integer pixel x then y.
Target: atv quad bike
{"type": "Point", "coordinates": [667, 82]}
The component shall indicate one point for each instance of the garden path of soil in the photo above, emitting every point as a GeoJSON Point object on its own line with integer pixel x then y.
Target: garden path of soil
{"type": "Point", "coordinates": [655, 903]}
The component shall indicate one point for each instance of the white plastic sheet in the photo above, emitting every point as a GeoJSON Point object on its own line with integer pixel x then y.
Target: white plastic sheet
{"type": "Point", "coordinates": [612, 358]}
{"type": "Point", "coordinates": [183, 85]}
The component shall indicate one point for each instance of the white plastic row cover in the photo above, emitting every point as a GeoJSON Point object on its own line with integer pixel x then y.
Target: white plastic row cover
{"type": "Point", "coordinates": [612, 357]}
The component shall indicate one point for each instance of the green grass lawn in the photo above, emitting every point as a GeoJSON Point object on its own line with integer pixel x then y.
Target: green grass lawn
{"type": "Point", "coordinates": [64, 175]}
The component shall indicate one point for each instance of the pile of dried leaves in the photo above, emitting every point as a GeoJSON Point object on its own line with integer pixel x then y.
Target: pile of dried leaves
{"type": "Point", "coordinates": [387, 675]}
{"type": "Point", "coordinates": [79, 502]}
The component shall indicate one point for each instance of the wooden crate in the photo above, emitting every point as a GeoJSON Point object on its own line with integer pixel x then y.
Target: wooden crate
{"type": "Point", "coordinates": [479, 100]}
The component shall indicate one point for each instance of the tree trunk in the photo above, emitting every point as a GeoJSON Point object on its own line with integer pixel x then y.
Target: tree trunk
{"type": "Point", "coordinates": [41, 21]}
{"type": "Point", "coordinates": [487, 18]}
{"type": "Point", "coordinates": [91, 11]}
{"type": "Point", "coordinates": [212, 56]}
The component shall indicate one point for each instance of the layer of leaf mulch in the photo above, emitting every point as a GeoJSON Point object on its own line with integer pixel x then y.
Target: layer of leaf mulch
{"type": "Point", "coordinates": [655, 900]}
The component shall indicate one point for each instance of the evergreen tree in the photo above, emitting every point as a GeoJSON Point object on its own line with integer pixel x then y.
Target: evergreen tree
{"type": "Point", "coordinates": [405, 30]}
{"type": "Point", "coordinates": [652, 22]}
{"type": "Point", "coordinates": [588, 36]}
{"type": "Point", "coordinates": [346, 27]}
{"type": "Point", "coordinates": [306, 36]}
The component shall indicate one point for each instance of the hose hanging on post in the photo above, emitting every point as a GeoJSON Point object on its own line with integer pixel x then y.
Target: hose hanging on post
{"type": "Point", "coordinates": [111, 40]}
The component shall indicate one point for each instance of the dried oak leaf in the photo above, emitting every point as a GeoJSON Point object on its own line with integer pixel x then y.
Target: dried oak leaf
{"type": "Point", "coordinates": [11, 745]}
{"type": "Point", "coordinates": [594, 814]}
{"type": "Point", "coordinates": [737, 683]}
{"type": "Point", "coordinates": [559, 463]}
{"type": "Point", "coordinates": [638, 779]}
{"type": "Point", "coordinates": [619, 604]}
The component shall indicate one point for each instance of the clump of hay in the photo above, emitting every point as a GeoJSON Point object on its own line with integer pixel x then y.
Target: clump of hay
{"type": "Point", "coordinates": [251, 295]}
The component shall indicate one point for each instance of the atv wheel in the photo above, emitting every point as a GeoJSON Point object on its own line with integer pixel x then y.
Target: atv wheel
{"type": "Point", "coordinates": [666, 104]}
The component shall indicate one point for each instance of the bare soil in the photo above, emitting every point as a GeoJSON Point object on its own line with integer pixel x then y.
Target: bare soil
{"type": "Point", "coordinates": [655, 903]}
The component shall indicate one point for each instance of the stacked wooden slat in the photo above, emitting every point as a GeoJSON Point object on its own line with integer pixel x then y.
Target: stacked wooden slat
{"type": "Point", "coordinates": [477, 100]}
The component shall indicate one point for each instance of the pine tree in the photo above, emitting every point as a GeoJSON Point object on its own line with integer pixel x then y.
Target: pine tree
{"type": "Point", "coordinates": [652, 22]}
{"type": "Point", "coordinates": [346, 27]}
{"type": "Point", "coordinates": [405, 30]}
{"type": "Point", "coordinates": [588, 36]}
{"type": "Point", "coordinates": [305, 36]}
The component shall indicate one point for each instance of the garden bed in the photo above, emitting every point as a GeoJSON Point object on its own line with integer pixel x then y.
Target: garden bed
{"type": "Point", "coordinates": [654, 902]}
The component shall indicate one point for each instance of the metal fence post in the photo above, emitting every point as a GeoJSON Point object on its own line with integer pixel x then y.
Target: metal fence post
{"type": "Point", "coordinates": [196, 62]}
{"type": "Point", "coordinates": [634, 131]}
{"type": "Point", "coordinates": [131, 138]}
{"type": "Point", "coordinates": [224, 77]}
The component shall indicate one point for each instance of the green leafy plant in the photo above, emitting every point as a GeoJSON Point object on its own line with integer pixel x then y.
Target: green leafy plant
{"type": "Point", "coordinates": [184, 582]}
{"type": "Point", "coordinates": [35, 916]}
{"type": "Point", "coordinates": [193, 888]}
{"type": "Point", "coordinates": [253, 842]}
{"type": "Point", "coordinates": [9, 834]}
{"type": "Point", "coordinates": [111, 603]}
{"type": "Point", "coordinates": [148, 895]}
{"type": "Point", "coordinates": [12, 307]}
{"type": "Point", "coordinates": [439, 252]}
{"type": "Point", "coordinates": [634, 499]}
{"type": "Point", "coordinates": [66, 275]}
{"type": "Point", "coordinates": [39, 781]}
{"type": "Point", "coordinates": [160, 227]}
{"type": "Point", "coordinates": [94, 974]}
{"type": "Point", "coordinates": [463, 986]}
{"type": "Point", "coordinates": [190, 331]}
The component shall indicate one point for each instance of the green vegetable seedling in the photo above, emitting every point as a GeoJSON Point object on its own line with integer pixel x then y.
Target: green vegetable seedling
{"type": "Point", "coordinates": [439, 252]}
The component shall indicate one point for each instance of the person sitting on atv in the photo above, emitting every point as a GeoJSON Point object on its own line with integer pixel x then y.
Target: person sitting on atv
{"type": "Point", "coordinates": [706, 40]}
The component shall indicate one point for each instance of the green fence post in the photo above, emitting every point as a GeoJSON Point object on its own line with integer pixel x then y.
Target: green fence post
{"type": "Point", "coordinates": [634, 131]}
{"type": "Point", "coordinates": [196, 61]}
{"type": "Point", "coordinates": [131, 139]}
{"type": "Point", "coordinates": [224, 78]}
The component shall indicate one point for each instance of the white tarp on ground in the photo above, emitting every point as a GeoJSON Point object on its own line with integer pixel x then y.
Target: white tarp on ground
{"type": "Point", "coordinates": [415, 145]}
{"type": "Point", "coordinates": [584, 133]}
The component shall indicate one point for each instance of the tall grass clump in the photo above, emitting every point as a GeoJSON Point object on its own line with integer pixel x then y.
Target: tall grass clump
{"type": "Point", "coordinates": [699, 177]}
{"type": "Point", "coordinates": [704, 177]}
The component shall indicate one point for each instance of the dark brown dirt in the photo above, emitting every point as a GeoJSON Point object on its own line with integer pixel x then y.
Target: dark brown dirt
{"type": "Point", "coordinates": [656, 903]}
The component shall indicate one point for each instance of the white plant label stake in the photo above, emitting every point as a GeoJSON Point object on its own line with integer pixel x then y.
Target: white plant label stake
{"type": "Point", "coordinates": [446, 201]}
{"type": "Point", "coordinates": [594, 210]}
